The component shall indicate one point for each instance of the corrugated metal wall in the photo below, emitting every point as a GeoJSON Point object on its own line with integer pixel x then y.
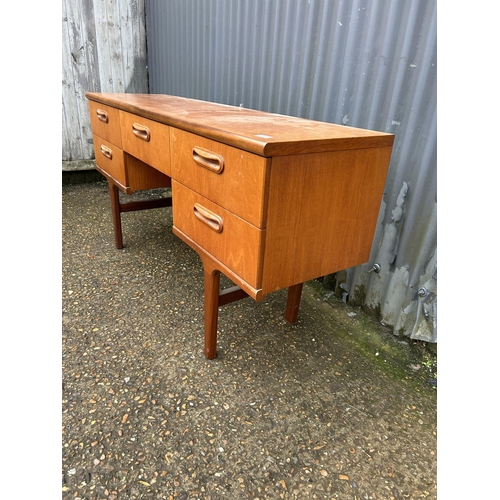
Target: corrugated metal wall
{"type": "Point", "coordinates": [103, 50]}
{"type": "Point", "coordinates": [362, 63]}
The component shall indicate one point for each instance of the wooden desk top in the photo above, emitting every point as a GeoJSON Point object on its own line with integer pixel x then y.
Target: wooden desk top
{"type": "Point", "coordinates": [265, 134]}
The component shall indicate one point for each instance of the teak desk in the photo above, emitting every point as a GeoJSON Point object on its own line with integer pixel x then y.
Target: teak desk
{"type": "Point", "coordinates": [269, 200]}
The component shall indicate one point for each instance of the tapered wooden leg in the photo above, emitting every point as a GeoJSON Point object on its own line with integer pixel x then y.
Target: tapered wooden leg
{"type": "Point", "coordinates": [293, 303]}
{"type": "Point", "coordinates": [212, 283]}
{"type": "Point", "coordinates": [115, 211]}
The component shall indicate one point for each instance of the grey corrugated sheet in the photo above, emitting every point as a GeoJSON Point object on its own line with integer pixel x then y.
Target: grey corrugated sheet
{"type": "Point", "coordinates": [103, 50]}
{"type": "Point", "coordinates": [369, 64]}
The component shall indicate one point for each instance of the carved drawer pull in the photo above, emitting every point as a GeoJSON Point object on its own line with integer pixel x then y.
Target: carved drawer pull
{"type": "Point", "coordinates": [107, 152]}
{"type": "Point", "coordinates": [207, 159]}
{"type": "Point", "coordinates": [213, 221]}
{"type": "Point", "coordinates": [102, 115]}
{"type": "Point", "coordinates": [141, 131]}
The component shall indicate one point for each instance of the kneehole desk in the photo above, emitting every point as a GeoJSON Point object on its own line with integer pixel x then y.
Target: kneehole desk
{"type": "Point", "coordinates": [271, 201]}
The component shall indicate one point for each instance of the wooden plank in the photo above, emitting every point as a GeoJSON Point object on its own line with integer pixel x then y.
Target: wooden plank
{"type": "Point", "coordinates": [79, 76]}
{"type": "Point", "coordinates": [103, 49]}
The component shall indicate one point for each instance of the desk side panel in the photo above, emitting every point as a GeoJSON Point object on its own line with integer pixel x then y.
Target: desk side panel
{"type": "Point", "coordinates": [322, 212]}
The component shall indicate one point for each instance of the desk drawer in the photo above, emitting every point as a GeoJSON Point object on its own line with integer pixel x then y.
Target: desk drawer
{"type": "Point", "coordinates": [105, 122]}
{"type": "Point", "coordinates": [231, 240]}
{"type": "Point", "coordinates": [230, 177]}
{"type": "Point", "coordinates": [147, 140]}
{"type": "Point", "coordinates": [110, 159]}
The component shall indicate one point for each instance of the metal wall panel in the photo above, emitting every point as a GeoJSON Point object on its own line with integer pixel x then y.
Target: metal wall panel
{"type": "Point", "coordinates": [361, 63]}
{"type": "Point", "coordinates": [103, 50]}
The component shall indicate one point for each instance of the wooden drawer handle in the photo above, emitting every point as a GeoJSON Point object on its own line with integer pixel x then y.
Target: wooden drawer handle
{"type": "Point", "coordinates": [207, 159]}
{"type": "Point", "coordinates": [141, 131]}
{"type": "Point", "coordinates": [213, 221]}
{"type": "Point", "coordinates": [107, 152]}
{"type": "Point", "coordinates": [102, 115]}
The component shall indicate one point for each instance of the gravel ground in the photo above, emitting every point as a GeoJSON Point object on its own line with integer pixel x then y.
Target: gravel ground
{"type": "Point", "coordinates": [334, 407]}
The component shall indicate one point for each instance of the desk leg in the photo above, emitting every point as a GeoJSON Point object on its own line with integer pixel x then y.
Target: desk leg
{"type": "Point", "coordinates": [117, 208]}
{"type": "Point", "coordinates": [293, 303]}
{"type": "Point", "coordinates": [211, 302]}
{"type": "Point", "coordinates": [115, 211]}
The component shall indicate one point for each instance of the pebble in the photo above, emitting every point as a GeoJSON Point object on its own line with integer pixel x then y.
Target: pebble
{"type": "Point", "coordinates": [275, 415]}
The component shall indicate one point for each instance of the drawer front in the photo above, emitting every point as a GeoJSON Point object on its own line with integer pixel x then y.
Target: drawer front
{"type": "Point", "coordinates": [110, 159]}
{"type": "Point", "coordinates": [228, 176]}
{"type": "Point", "coordinates": [231, 240]}
{"type": "Point", "coordinates": [147, 140]}
{"type": "Point", "coordinates": [105, 122]}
